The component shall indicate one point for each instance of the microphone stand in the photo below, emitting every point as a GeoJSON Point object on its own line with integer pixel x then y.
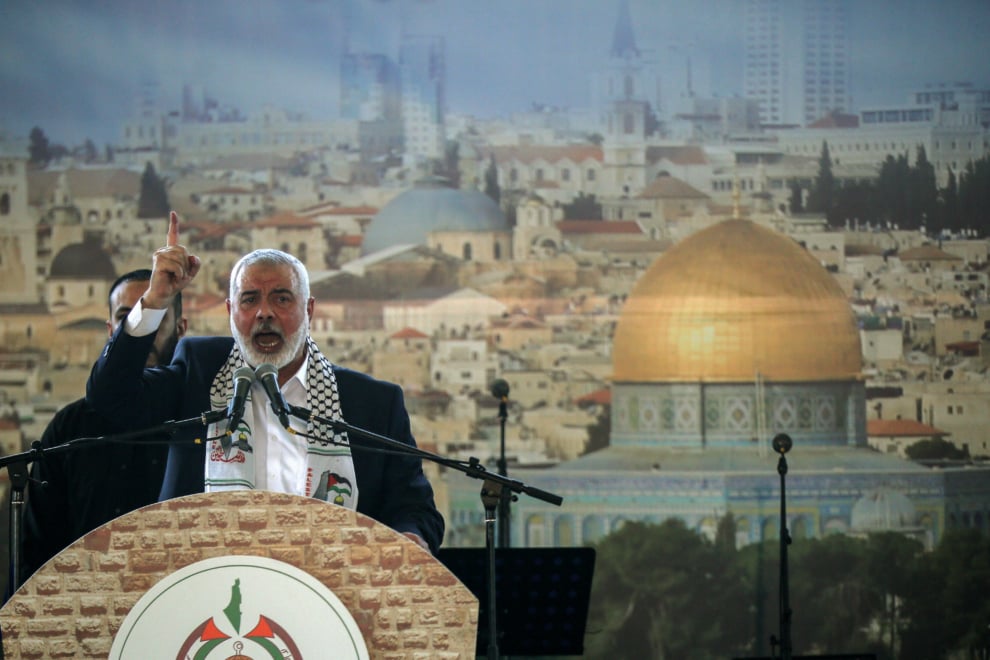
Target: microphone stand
{"type": "Point", "coordinates": [782, 444]}
{"type": "Point", "coordinates": [504, 500]}
{"type": "Point", "coordinates": [495, 488]}
{"type": "Point", "coordinates": [17, 472]}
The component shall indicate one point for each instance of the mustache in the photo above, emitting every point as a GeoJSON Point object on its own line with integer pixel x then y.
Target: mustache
{"type": "Point", "coordinates": [266, 327]}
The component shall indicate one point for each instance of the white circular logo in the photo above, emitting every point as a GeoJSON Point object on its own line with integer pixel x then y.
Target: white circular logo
{"type": "Point", "coordinates": [239, 607]}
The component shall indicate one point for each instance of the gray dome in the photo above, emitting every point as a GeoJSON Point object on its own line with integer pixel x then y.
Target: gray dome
{"type": "Point", "coordinates": [883, 510]}
{"type": "Point", "coordinates": [432, 205]}
{"type": "Point", "coordinates": [83, 261]}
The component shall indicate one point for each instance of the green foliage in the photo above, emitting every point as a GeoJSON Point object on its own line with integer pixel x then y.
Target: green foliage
{"type": "Point", "coordinates": [492, 188]}
{"type": "Point", "coordinates": [583, 207]}
{"type": "Point", "coordinates": [822, 197]}
{"type": "Point", "coordinates": [934, 449]}
{"type": "Point", "coordinates": [661, 592]}
{"type": "Point", "coordinates": [974, 196]}
{"type": "Point", "coordinates": [904, 195]}
{"type": "Point", "coordinates": [153, 202]}
{"type": "Point", "coordinates": [599, 432]}
{"type": "Point", "coordinates": [38, 148]}
{"type": "Point", "coordinates": [664, 591]}
{"type": "Point", "coordinates": [451, 167]}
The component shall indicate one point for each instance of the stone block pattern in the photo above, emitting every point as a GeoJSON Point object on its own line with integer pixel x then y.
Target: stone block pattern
{"type": "Point", "coordinates": [406, 603]}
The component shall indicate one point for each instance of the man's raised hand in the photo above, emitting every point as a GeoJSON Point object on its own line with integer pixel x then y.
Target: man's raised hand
{"type": "Point", "coordinates": [172, 268]}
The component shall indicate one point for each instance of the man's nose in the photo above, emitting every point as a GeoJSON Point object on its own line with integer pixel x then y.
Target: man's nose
{"type": "Point", "coordinates": [265, 309]}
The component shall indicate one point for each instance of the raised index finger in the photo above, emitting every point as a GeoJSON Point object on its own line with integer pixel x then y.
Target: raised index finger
{"type": "Point", "coordinates": [173, 230]}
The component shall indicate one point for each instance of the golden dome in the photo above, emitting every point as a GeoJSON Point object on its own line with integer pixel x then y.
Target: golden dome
{"type": "Point", "coordinates": [733, 301]}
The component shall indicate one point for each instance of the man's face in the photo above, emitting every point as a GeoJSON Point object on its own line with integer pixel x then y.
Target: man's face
{"type": "Point", "coordinates": [269, 319]}
{"type": "Point", "coordinates": [123, 298]}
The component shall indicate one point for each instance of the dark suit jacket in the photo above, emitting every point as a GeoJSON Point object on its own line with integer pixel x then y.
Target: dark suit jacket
{"type": "Point", "coordinates": [391, 489]}
{"type": "Point", "coordinates": [73, 493]}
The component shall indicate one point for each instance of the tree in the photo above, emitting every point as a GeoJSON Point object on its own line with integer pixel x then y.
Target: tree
{"type": "Point", "coordinates": [596, 139]}
{"type": "Point", "coordinates": [659, 592]}
{"type": "Point", "coordinates": [822, 197]}
{"type": "Point", "coordinates": [598, 433]}
{"type": "Point", "coordinates": [891, 185]}
{"type": "Point", "coordinates": [947, 610]}
{"type": "Point", "coordinates": [451, 163]}
{"type": "Point", "coordinates": [890, 563]}
{"type": "Point", "coordinates": [492, 188]}
{"type": "Point", "coordinates": [949, 204]}
{"type": "Point", "coordinates": [833, 593]}
{"type": "Point", "coordinates": [153, 202]}
{"type": "Point", "coordinates": [39, 148]}
{"type": "Point", "coordinates": [922, 193]}
{"type": "Point", "coordinates": [856, 201]}
{"type": "Point", "coordinates": [89, 153]}
{"type": "Point", "coordinates": [974, 195]}
{"type": "Point", "coordinates": [934, 449]}
{"type": "Point", "coordinates": [583, 207]}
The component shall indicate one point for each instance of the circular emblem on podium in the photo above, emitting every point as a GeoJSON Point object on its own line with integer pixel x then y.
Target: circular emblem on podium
{"type": "Point", "coordinates": [239, 607]}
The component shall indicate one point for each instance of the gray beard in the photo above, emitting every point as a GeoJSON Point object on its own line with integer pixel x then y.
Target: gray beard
{"type": "Point", "coordinates": [289, 352]}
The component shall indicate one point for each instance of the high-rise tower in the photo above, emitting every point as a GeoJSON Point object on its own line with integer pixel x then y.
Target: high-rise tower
{"type": "Point", "coordinates": [796, 62]}
{"type": "Point", "coordinates": [422, 70]}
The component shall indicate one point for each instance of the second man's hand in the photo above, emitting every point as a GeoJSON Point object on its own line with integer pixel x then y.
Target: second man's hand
{"type": "Point", "coordinates": [173, 268]}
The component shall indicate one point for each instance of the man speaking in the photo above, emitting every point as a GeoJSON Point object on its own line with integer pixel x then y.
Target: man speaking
{"type": "Point", "coordinates": [270, 311]}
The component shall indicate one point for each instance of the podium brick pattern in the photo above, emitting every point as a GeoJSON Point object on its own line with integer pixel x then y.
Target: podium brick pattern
{"type": "Point", "coordinates": [407, 604]}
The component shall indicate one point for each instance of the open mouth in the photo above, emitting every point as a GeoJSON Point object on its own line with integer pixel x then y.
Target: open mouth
{"type": "Point", "coordinates": [267, 341]}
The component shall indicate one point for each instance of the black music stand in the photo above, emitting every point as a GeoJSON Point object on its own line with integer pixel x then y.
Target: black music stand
{"type": "Point", "coordinates": [541, 596]}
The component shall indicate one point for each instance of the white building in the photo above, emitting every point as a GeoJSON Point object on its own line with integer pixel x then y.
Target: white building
{"type": "Point", "coordinates": [446, 315]}
{"type": "Point", "coordinates": [423, 74]}
{"type": "Point", "coordinates": [796, 61]}
{"type": "Point", "coordinates": [462, 364]}
{"type": "Point", "coordinates": [952, 133]}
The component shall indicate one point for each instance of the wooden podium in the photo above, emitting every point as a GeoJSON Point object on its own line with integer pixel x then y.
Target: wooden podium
{"type": "Point", "coordinates": [404, 602]}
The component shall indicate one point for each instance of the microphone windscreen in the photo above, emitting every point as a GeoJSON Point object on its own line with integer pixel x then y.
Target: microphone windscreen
{"type": "Point", "coordinates": [500, 388]}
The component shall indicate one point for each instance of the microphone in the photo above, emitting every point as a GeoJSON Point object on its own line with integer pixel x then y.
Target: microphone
{"type": "Point", "coordinates": [500, 389]}
{"type": "Point", "coordinates": [243, 378]}
{"type": "Point", "coordinates": [782, 443]}
{"type": "Point", "coordinates": [268, 375]}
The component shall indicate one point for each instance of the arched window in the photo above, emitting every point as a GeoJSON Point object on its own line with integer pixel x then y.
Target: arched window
{"type": "Point", "coordinates": [466, 252]}
{"type": "Point", "coordinates": [498, 251]}
{"type": "Point", "coordinates": [5, 204]}
{"type": "Point", "coordinates": [564, 532]}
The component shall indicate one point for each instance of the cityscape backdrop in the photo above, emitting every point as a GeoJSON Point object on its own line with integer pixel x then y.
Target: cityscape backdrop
{"type": "Point", "coordinates": [550, 192]}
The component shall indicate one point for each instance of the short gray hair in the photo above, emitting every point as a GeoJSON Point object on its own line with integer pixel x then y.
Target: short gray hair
{"type": "Point", "coordinates": [271, 257]}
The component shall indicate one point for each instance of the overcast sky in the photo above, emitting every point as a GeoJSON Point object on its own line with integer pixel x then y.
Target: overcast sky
{"type": "Point", "coordinates": [74, 67]}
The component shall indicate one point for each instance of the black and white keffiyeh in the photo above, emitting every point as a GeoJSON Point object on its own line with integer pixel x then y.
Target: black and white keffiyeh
{"type": "Point", "coordinates": [230, 463]}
